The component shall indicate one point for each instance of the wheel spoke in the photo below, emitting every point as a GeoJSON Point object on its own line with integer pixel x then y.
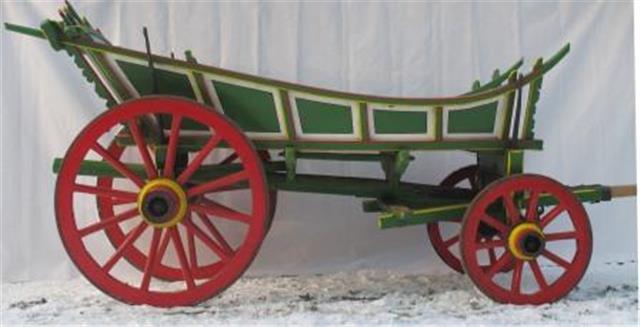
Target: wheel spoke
{"type": "Point", "coordinates": [151, 258]}
{"type": "Point", "coordinates": [182, 257]}
{"type": "Point", "coordinates": [149, 166]}
{"type": "Point", "coordinates": [119, 202]}
{"type": "Point", "coordinates": [555, 212]}
{"type": "Point", "coordinates": [100, 225]}
{"type": "Point", "coordinates": [164, 244]}
{"type": "Point", "coordinates": [215, 232]}
{"type": "Point", "coordinates": [556, 259]}
{"type": "Point", "coordinates": [537, 274]}
{"type": "Point", "coordinates": [218, 183]}
{"type": "Point", "coordinates": [495, 223]}
{"type": "Point", "coordinates": [560, 236]}
{"type": "Point", "coordinates": [220, 252]}
{"type": "Point", "coordinates": [106, 192]}
{"type": "Point", "coordinates": [532, 208]}
{"type": "Point", "coordinates": [117, 164]}
{"type": "Point", "coordinates": [513, 214]}
{"type": "Point", "coordinates": [229, 159]}
{"type": "Point", "coordinates": [197, 161]}
{"type": "Point", "coordinates": [498, 265]}
{"type": "Point", "coordinates": [172, 149]}
{"type": "Point", "coordinates": [218, 210]}
{"type": "Point", "coordinates": [473, 182]}
{"type": "Point", "coordinates": [132, 236]}
{"type": "Point", "coordinates": [453, 240]}
{"type": "Point", "coordinates": [492, 255]}
{"type": "Point", "coordinates": [516, 279]}
{"type": "Point", "coordinates": [490, 244]}
{"type": "Point", "coordinates": [191, 245]}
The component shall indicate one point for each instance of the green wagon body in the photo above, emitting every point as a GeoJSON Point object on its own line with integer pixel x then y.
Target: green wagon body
{"type": "Point", "coordinates": [309, 122]}
{"type": "Point", "coordinates": [276, 114]}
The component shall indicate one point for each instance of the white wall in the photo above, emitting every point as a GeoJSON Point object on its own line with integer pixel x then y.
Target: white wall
{"type": "Point", "coordinates": [585, 116]}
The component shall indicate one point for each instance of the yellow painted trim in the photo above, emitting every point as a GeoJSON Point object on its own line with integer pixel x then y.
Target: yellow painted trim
{"type": "Point", "coordinates": [453, 206]}
{"type": "Point", "coordinates": [508, 168]}
{"type": "Point", "coordinates": [176, 189]}
{"type": "Point", "coordinates": [426, 211]}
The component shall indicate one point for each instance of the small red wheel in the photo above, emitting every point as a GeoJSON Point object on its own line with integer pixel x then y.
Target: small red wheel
{"type": "Point", "coordinates": [169, 210]}
{"type": "Point", "coordinates": [445, 245]}
{"type": "Point", "coordinates": [137, 258]}
{"type": "Point", "coordinates": [436, 231]}
{"type": "Point", "coordinates": [558, 240]}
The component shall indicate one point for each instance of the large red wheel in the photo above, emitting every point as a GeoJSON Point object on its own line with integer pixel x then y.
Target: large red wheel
{"type": "Point", "coordinates": [550, 249]}
{"type": "Point", "coordinates": [168, 209]}
{"type": "Point", "coordinates": [446, 234]}
{"type": "Point", "coordinates": [137, 258]}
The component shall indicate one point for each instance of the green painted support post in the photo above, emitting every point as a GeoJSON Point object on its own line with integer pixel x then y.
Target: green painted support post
{"type": "Point", "coordinates": [394, 166]}
{"type": "Point", "coordinates": [290, 161]}
{"type": "Point", "coordinates": [514, 162]}
{"type": "Point", "coordinates": [511, 97]}
{"type": "Point", "coordinates": [200, 82]}
{"type": "Point", "coordinates": [532, 99]}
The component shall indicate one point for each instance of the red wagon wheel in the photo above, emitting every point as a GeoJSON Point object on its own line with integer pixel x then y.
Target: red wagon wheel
{"type": "Point", "coordinates": [167, 208]}
{"type": "Point", "coordinates": [137, 258]}
{"type": "Point", "coordinates": [513, 207]}
{"type": "Point", "coordinates": [436, 231]}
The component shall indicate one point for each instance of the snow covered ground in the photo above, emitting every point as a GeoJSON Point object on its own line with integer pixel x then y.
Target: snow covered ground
{"type": "Point", "coordinates": [607, 295]}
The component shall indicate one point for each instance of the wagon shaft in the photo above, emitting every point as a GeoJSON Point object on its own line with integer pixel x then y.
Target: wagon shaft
{"type": "Point", "coordinates": [584, 193]}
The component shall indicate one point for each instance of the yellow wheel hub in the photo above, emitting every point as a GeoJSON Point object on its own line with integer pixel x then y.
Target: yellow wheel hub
{"type": "Point", "coordinates": [162, 203]}
{"type": "Point", "coordinates": [526, 241]}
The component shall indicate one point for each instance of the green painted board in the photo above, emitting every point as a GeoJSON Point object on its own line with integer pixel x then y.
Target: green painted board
{"type": "Point", "coordinates": [400, 122]}
{"type": "Point", "coordinates": [168, 82]}
{"type": "Point", "coordinates": [324, 118]}
{"type": "Point", "coordinates": [478, 119]}
{"type": "Point", "coordinates": [253, 110]}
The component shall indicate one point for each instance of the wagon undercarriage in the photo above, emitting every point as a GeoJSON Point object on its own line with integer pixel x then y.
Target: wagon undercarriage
{"type": "Point", "coordinates": [399, 203]}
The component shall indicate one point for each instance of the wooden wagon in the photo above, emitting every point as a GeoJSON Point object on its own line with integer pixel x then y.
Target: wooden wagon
{"type": "Point", "coordinates": [185, 185]}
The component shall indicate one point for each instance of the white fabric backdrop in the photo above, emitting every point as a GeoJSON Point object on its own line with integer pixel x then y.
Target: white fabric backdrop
{"type": "Point", "coordinates": [585, 116]}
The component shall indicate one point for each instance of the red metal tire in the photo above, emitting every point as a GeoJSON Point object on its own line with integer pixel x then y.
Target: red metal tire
{"type": "Point", "coordinates": [232, 259]}
{"type": "Point", "coordinates": [137, 258]}
{"type": "Point", "coordinates": [434, 230]}
{"type": "Point", "coordinates": [504, 192]}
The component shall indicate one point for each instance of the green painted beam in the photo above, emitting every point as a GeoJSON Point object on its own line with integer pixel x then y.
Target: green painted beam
{"type": "Point", "coordinates": [391, 219]}
{"type": "Point", "coordinates": [405, 193]}
{"type": "Point", "coordinates": [204, 173]}
{"type": "Point", "coordinates": [35, 32]}
{"type": "Point", "coordinates": [195, 143]}
{"type": "Point", "coordinates": [340, 156]}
